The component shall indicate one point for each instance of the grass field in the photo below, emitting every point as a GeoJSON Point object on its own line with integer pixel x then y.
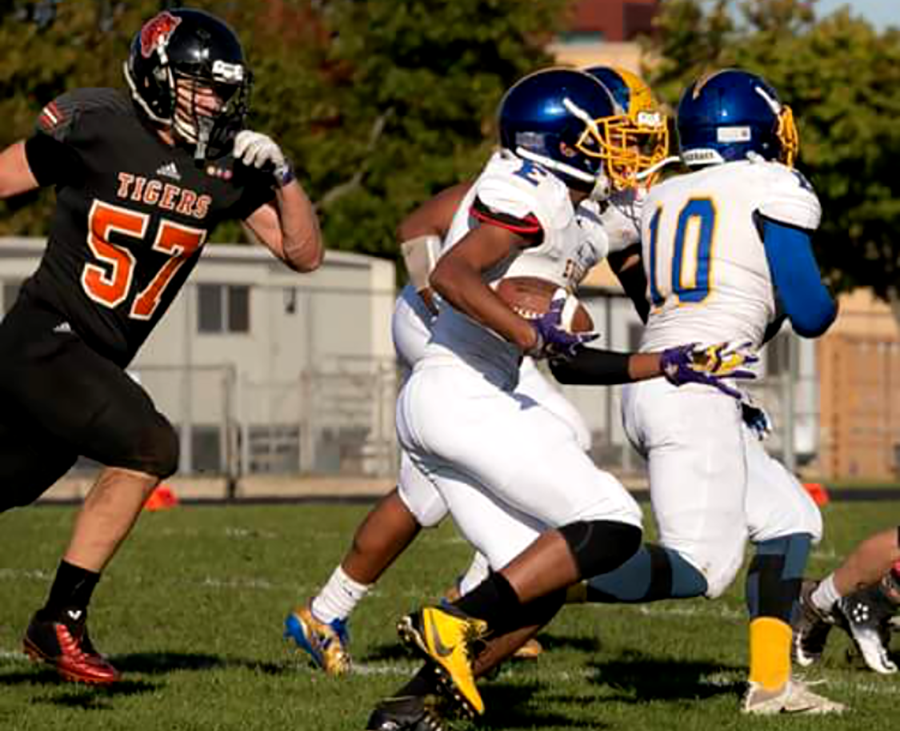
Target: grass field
{"type": "Point", "coordinates": [191, 611]}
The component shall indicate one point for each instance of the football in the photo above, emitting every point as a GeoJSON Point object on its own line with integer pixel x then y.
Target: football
{"type": "Point", "coordinates": [530, 297]}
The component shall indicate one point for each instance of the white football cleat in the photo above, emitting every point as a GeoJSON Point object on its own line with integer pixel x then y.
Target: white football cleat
{"type": "Point", "coordinates": [793, 697]}
{"type": "Point", "coordinates": [865, 615]}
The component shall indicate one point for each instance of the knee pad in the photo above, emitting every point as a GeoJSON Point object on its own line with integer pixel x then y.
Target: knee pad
{"type": "Point", "coordinates": [599, 546]}
{"type": "Point", "coordinates": [157, 450]}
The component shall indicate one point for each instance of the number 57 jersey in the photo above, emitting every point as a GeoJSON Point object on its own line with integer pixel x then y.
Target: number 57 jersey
{"type": "Point", "coordinates": [708, 278]}
{"type": "Point", "coordinates": [132, 215]}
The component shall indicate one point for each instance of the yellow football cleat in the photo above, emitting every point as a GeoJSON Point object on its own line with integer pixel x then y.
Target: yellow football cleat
{"type": "Point", "coordinates": [445, 639]}
{"type": "Point", "coordinates": [326, 644]}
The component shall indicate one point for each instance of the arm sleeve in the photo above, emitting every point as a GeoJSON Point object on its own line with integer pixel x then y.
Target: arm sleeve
{"type": "Point", "coordinates": [592, 367]}
{"type": "Point", "coordinates": [796, 278]}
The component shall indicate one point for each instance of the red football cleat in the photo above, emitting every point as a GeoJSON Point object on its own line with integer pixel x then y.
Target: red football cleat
{"type": "Point", "coordinates": [67, 647]}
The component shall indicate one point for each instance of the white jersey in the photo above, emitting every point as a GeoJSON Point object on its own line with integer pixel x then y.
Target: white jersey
{"type": "Point", "coordinates": [518, 188]}
{"type": "Point", "coordinates": [707, 275]}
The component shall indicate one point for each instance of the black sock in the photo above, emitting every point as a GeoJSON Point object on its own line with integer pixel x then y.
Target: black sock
{"type": "Point", "coordinates": [71, 589]}
{"type": "Point", "coordinates": [493, 600]}
{"type": "Point", "coordinates": [421, 684]}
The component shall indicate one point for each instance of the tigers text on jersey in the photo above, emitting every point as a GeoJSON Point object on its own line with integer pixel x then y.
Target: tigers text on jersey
{"type": "Point", "coordinates": [513, 189]}
{"type": "Point", "coordinates": [707, 274]}
{"type": "Point", "coordinates": [132, 214]}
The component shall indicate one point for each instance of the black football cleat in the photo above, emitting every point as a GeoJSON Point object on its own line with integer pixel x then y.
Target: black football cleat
{"type": "Point", "coordinates": [407, 713]}
{"type": "Point", "coordinates": [64, 644]}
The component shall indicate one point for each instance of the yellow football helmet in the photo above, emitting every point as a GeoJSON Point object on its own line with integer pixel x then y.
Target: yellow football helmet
{"type": "Point", "coordinates": [647, 135]}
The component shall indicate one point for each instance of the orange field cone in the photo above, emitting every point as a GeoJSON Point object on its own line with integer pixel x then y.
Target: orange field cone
{"type": "Point", "coordinates": [817, 492]}
{"type": "Point", "coordinates": [162, 498]}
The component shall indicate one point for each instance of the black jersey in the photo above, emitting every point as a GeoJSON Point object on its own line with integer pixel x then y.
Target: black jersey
{"type": "Point", "coordinates": [132, 214]}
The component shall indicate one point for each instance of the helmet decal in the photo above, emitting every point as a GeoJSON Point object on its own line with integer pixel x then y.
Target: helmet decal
{"type": "Point", "coordinates": [156, 32]}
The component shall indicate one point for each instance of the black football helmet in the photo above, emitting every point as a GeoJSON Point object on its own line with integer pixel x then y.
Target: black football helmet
{"type": "Point", "coordinates": [194, 46]}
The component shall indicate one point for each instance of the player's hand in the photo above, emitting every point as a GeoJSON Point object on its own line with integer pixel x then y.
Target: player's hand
{"type": "Point", "coordinates": [692, 364]}
{"type": "Point", "coordinates": [756, 418]}
{"type": "Point", "coordinates": [257, 150]}
{"type": "Point", "coordinates": [553, 340]}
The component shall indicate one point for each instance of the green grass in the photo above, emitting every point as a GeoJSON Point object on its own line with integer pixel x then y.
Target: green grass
{"type": "Point", "coordinates": [191, 611]}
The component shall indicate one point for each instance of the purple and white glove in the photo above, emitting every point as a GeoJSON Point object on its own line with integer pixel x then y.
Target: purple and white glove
{"type": "Point", "coordinates": [708, 366]}
{"type": "Point", "coordinates": [554, 341]}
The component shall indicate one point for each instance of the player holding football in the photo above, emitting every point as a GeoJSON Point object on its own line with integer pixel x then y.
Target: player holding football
{"type": "Point", "coordinates": [611, 231]}
{"type": "Point", "coordinates": [860, 596]}
{"type": "Point", "coordinates": [726, 254]}
{"type": "Point", "coordinates": [519, 486]}
{"type": "Point", "coordinates": [141, 180]}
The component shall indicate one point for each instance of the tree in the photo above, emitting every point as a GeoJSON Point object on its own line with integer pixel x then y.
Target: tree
{"type": "Point", "coordinates": [380, 103]}
{"type": "Point", "coordinates": [842, 79]}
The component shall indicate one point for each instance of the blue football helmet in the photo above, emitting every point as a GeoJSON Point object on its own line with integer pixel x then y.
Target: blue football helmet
{"type": "Point", "coordinates": [567, 122]}
{"type": "Point", "coordinates": [727, 114]}
{"type": "Point", "coordinates": [648, 133]}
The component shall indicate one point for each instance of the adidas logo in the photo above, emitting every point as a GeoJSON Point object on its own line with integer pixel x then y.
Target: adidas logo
{"type": "Point", "coordinates": [63, 327]}
{"type": "Point", "coordinates": [75, 613]}
{"type": "Point", "coordinates": [169, 170]}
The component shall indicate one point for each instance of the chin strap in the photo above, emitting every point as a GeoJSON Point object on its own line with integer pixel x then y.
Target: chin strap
{"type": "Point", "coordinates": [204, 130]}
{"type": "Point", "coordinates": [653, 169]}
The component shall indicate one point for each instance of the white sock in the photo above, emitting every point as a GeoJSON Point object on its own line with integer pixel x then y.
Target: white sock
{"type": "Point", "coordinates": [825, 594]}
{"type": "Point", "coordinates": [338, 597]}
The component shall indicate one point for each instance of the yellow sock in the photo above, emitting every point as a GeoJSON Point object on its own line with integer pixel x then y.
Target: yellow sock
{"type": "Point", "coordinates": [770, 652]}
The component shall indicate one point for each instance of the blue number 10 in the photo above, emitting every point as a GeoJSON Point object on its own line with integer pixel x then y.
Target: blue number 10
{"type": "Point", "coordinates": [704, 212]}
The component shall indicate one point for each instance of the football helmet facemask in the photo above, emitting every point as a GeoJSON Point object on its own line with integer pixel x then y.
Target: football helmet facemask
{"type": "Point", "coordinates": [568, 122]}
{"type": "Point", "coordinates": [727, 114]}
{"type": "Point", "coordinates": [194, 51]}
{"type": "Point", "coordinates": [648, 133]}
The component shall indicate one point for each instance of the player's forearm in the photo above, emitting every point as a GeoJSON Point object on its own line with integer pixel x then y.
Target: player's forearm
{"type": "Point", "coordinates": [593, 367]}
{"type": "Point", "coordinates": [464, 289]}
{"type": "Point", "coordinates": [15, 174]}
{"type": "Point", "coordinates": [302, 247]}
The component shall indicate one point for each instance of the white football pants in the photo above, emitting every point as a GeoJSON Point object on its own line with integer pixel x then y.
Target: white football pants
{"type": "Point", "coordinates": [712, 485]}
{"type": "Point", "coordinates": [505, 466]}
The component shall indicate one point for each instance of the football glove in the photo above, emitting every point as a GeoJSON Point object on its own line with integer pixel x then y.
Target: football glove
{"type": "Point", "coordinates": [554, 341]}
{"type": "Point", "coordinates": [708, 366]}
{"type": "Point", "coordinates": [257, 150]}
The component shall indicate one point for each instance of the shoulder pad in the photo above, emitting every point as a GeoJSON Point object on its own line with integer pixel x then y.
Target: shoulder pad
{"type": "Point", "coordinates": [517, 188]}
{"type": "Point", "coordinates": [789, 197]}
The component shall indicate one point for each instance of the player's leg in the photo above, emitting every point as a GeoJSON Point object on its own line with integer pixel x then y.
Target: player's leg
{"type": "Point", "coordinates": [445, 635]}
{"type": "Point", "coordinates": [860, 596]}
{"type": "Point", "coordinates": [783, 522]}
{"type": "Point", "coordinates": [529, 460]}
{"type": "Point", "coordinates": [515, 454]}
{"type": "Point", "coordinates": [691, 439]}
{"type": "Point", "coordinates": [320, 627]}
{"type": "Point", "coordinates": [91, 405]}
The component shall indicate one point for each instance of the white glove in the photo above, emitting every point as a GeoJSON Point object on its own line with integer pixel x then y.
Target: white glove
{"type": "Point", "coordinates": [255, 149]}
